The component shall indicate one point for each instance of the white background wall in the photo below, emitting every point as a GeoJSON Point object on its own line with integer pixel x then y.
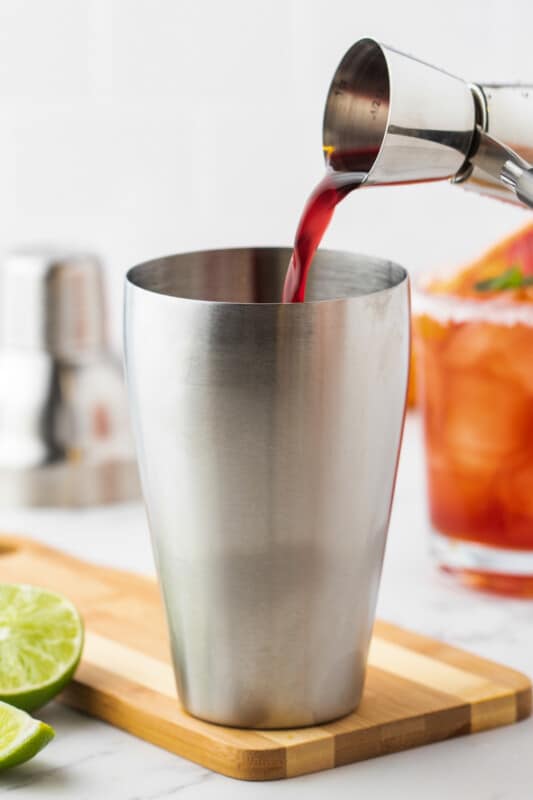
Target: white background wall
{"type": "Point", "coordinates": [143, 127]}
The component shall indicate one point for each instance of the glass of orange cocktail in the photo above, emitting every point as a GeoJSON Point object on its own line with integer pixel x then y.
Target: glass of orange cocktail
{"type": "Point", "coordinates": [473, 340]}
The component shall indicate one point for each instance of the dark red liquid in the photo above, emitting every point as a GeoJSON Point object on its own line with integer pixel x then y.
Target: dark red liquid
{"type": "Point", "coordinates": [316, 217]}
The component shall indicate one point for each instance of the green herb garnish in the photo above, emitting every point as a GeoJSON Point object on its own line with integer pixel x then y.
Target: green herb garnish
{"type": "Point", "coordinates": [512, 278]}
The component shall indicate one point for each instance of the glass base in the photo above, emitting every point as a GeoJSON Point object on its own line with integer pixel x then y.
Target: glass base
{"type": "Point", "coordinates": [490, 569]}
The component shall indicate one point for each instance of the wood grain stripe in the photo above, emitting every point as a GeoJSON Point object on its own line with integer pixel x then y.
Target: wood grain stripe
{"type": "Point", "coordinates": [453, 656]}
{"type": "Point", "coordinates": [132, 664]}
{"type": "Point", "coordinates": [308, 749]}
{"type": "Point", "coordinates": [493, 712]}
{"type": "Point", "coordinates": [436, 674]}
{"type": "Point", "coordinates": [394, 714]}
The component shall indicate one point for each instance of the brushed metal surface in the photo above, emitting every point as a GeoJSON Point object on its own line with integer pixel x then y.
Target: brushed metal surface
{"type": "Point", "coordinates": [268, 438]}
{"type": "Point", "coordinates": [64, 432]}
{"type": "Point", "coordinates": [509, 121]}
{"type": "Point", "coordinates": [402, 121]}
{"type": "Point", "coordinates": [417, 119]}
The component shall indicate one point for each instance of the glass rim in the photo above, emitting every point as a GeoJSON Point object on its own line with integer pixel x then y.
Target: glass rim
{"type": "Point", "coordinates": [448, 307]}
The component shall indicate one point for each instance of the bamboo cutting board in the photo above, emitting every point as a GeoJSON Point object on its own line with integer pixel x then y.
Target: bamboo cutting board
{"type": "Point", "coordinates": [417, 690]}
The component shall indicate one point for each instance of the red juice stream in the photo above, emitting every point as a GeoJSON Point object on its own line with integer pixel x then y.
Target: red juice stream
{"type": "Point", "coordinates": [333, 187]}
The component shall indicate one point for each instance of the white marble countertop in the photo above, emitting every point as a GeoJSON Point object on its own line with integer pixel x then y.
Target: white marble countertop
{"type": "Point", "coordinates": [92, 760]}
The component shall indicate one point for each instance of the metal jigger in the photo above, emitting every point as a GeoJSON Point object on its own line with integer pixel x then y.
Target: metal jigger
{"type": "Point", "coordinates": [401, 121]}
{"type": "Point", "coordinates": [64, 434]}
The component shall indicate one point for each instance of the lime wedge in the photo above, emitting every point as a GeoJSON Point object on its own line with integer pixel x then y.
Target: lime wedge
{"type": "Point", "coordinates": [41, 639]}
{"type": "Point", "coordinates": [21, 737]}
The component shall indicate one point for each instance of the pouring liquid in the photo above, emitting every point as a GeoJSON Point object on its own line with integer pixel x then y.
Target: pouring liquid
{"type": "Point", "coordinates": [315, 218]}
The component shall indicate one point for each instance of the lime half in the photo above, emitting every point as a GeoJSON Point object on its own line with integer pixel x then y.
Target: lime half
{"type": "Point", "coordinates": [21, 737]}
{"type": "Point", "coordinates": [41, 639]}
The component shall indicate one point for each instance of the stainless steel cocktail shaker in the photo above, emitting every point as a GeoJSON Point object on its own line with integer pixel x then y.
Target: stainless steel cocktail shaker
{"type": "Point", "coordinates": [64, 432]}
{"type": "Point", "coordinates": [268, 437]}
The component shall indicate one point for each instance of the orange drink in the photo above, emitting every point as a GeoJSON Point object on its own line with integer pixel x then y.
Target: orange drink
{"type": "Point", "coordinates": [473, 340]}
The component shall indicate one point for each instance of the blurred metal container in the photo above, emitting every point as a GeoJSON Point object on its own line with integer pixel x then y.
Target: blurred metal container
{"type": "Point", "coordinates": [64, 432]}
